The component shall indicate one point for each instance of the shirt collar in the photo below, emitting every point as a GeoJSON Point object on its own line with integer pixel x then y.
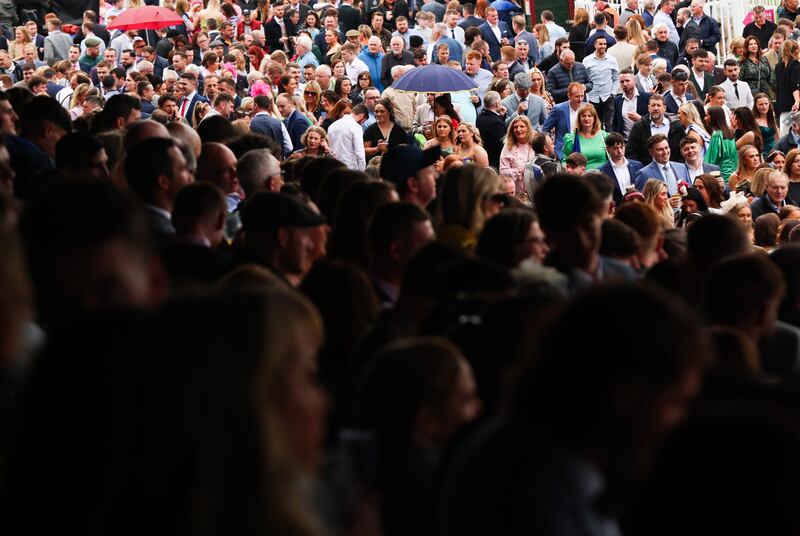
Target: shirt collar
{"type": "Point", "coordinates": [635, 94]}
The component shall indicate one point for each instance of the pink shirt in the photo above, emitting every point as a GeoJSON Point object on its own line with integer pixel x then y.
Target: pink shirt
{"type": "Point", "coordinates": [512, 163]}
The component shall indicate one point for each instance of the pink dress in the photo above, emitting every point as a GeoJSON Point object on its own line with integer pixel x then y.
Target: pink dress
{"type": "Point", "coordinates": [512, 163]}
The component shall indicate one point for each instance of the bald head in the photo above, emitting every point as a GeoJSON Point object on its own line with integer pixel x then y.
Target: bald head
{"type": "Point", "coordinates": [217, 164]}
{"type": "Point", "coordinates": [187, 135]}
{"type": "Point", "coordinates": [144, 130]}
{"type": "Point", "coordinates": [567, 59]}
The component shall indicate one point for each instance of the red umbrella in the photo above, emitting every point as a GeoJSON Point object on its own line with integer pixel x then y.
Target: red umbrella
{"type": "Point", "coordinates": [145, 18]}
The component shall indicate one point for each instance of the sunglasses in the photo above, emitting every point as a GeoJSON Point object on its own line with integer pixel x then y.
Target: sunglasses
{"type": "Point", "coordinates": [314, 93]}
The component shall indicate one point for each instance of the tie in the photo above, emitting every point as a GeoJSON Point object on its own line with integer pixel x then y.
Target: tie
{"type": "Point", "coordinates": [570, 76]}
{"type": "Point", "coordinates": [671, 186]}
{"type": "Point", "coordinates": [453, 32]}
{"type": "Point", "coordinates": [183, 106]}
{"type": "Point", "coordinates": [736, 89]}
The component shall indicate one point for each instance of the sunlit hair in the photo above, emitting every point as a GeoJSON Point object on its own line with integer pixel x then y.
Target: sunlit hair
{"type": "Point", "coordinates": [445, 119]}
{"type": "Point", "coordinates": [588, 108]}
{"type": "Point", "coordinates": [511, 140]}
{"type": "Point", "coordinates": [476, 135]}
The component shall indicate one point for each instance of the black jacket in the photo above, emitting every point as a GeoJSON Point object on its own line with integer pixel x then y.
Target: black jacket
{"type": "Point", "coordinates": [493, 131]}
{"type": "Point", "coordinates": [390, 60]}
{"type": "Point", "coordinates": [349, 18]}
{"type": "Point", "coordinates": [636, 149]}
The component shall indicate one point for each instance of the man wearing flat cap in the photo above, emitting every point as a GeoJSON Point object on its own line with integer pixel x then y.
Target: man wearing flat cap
{"type": "Point", "coordinates": [92, 57]}
{"type": "Point", "coordinates": [522, 102]}
{"type": "Point", "coordinates": [410, 169]}
{"type": "Point", "coordinates": [277, 234]}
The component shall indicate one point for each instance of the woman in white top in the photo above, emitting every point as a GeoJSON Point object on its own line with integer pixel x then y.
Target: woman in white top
{"type": "Point", "coordinates": [692, 122]}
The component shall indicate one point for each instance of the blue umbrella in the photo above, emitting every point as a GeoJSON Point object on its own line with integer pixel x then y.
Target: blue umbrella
{"type": "Point", "coordinates": [434, 79]}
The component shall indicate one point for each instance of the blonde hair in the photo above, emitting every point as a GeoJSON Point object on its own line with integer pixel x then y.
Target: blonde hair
{"type": "Point", "coordinates": [690, 110]}
{"type": "Point", "coordinates": [543, 86]}
{"type": "Point", "coordinates": [510, 140]}
{"type": "Point", "coordinates": [581, 16]}
{"type": "Point", "coordinates": [80, 92]}
{"type": "Point", "coordinates": [463, 193]}
{"type": "Point", "coordinates": [758, 183]}
{"type": "Point", "coordinates": [735, 43]}
{"type": "Point", "coordinates": [476, 134]}
{"type": "Point", "coordinates": [635, 34]}
{"type": "Point", "coordinates": [652, 189]}
{"type": "Point", "coordinates": [542, 33]}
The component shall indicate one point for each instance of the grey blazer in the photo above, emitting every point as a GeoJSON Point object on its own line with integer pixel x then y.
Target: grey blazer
{"type": "Point", "coordinates": [537, 109]}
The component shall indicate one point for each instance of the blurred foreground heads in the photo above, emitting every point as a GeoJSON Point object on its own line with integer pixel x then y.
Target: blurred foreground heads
{"type": "Point", "coordinates": [588, 415]}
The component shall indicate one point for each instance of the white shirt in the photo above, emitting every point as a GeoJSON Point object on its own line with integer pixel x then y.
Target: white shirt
{"type": "Point", "coordinates": [183, 109]}
{"type": "Point", "coordinates": [680, 100]}
{"type": "Point", "coordinates": [347, 142]}
{"type": "Point", "coordinates": [694, 173]}
{"type": "Point", "coordinates": [459, 34]}
{"type": "Point", "coordinates": [573, 118]}
{"type": "Point", "coordinates": [353, 69]}
{"type": "Point", "coordinates": [628, 105]}
{"type": "Point", "coordinates": [745, 97]}
{"type": "Point", "coordinates": [661, 17]}
{"type": "Point", "coordinates": [496, 30]}
{"type": "Point", "coordinates": [700, 79]}
{"type": "Point", "coordinates": [646, 82]}
{"type": "Point", "coordinates": [622, 174]}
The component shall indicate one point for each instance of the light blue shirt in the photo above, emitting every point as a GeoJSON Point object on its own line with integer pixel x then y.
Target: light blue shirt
{"type": "Point", "coordinates": [604, 74]}
{"type": "Point", "coordinates": [663, 129]}
{"type": "Point", "coordinates": [662, 17]}
{"type": "Point", "coordinates": [307, 59]}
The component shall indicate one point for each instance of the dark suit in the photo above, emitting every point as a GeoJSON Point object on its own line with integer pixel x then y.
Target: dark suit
{"type": "Point", "coordinates": [491, 38]}
{"type": "Point", "coordinates": [471, 22]}
{"type": "Point", "coordinates": [636, 148]}
{"type": "Point", "coordinates": [269, 126]}
{"type": "Point", "coordinates": [608, 169]}
{"type": "Point", "coordinates": [786, 143]}
{"type": "Point", "coordinates": [296, 124]}
{"type": "Point", "coordinates": [159, 65]}
{"type": "Point", "coordinates": [319, 40]}
{"type": "Point", "coordinates": [708, 81]}
{"type": "Point", "coordinates": [762, 206]}
{"type": "Point", "coordinates": [193, 265]}
{"type": "Point", "coordinates": [641, 109]}
{"type": "Point", "coordinates": [273, 34]}
{"type": "Point", "coordinates": [190, 107]}
{"type": "Point", "coordinates": [160, 226]}
{"type": "Point", "coordinates": [349, 18]}
{"type": "Point", "coordinates": [672, 105]}
{"type": "Point", "coordinates": [493, 131]}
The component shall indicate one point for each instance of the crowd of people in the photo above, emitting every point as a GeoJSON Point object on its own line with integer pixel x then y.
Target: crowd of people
{"type": "Point", "coordinates": [247, 286]}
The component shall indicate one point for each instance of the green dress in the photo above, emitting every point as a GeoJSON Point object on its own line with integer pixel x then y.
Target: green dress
{"type": "Point", "coordinates": [722, 152]}
{"type": "Point", "coordinates": [594, 149]}
{"type": "Point", "coordinates": [768, 133]}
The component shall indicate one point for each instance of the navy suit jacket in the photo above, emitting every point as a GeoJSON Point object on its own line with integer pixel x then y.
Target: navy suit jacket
{"type": "Point", "coordinates": [641, 109]}
{"type": "Point", "coordinates": [489, 37]}
{"type": "Point", "coordinates": [653, 171]}
{"type": "Point", "coordinates": [633, 167]}
{"type": "Point", "coordinates": [559, 120]}
{"type": "Point", "coordinates": [159, 65]}
{"type": "Point", "coordinates": [269, 126]}
{"type": "Point", "coordinates": [671, 105]}
{"type": "Point", "coordinates": [296, 124]}
{"type": "Point", "coordinates": [190, 110]}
